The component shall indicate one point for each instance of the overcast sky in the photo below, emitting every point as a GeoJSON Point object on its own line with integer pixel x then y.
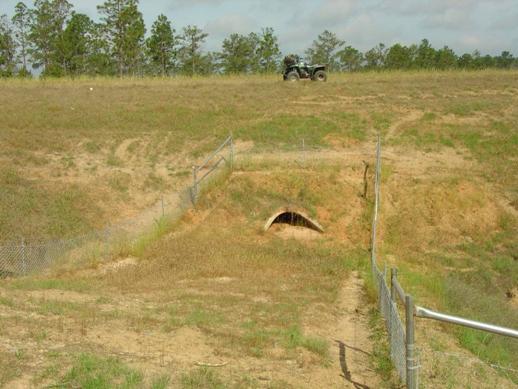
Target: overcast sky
{"type": "Point", "coordinates": [465, 25]}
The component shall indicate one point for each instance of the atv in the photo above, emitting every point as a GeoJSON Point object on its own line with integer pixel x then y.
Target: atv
{"type": "Point", "coordinates": [296, 69]}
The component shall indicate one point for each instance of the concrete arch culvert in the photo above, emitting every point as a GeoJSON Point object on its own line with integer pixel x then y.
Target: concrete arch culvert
{"type": "Point", "coordinates": [294, 218]}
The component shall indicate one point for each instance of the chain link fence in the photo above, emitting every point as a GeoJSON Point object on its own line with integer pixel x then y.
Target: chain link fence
{"type": "Point", "coordinates": [29, 257]}
{"type": "Point", "coordinates": [480, 374]}
{"type": "Point", "coordinates": [202, 172]}
{"type": "Point", "coordinates": [403, 353]}
{"type": "Point", "coordinates": [399, 343]}
{"type": "Point", "coordinates": [23, 257]}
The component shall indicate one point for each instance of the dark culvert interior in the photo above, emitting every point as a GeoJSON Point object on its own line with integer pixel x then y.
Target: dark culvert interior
{"type": "Point", "coordinates": [294, 219]}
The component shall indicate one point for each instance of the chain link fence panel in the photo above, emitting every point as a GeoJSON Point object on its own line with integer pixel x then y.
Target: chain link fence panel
{"type": "Point", "coordinates": [476, 373]}
{"type": "Point", "coordinates": [24, 258]}
{"type": "Point", "coordinates": [393, 323]}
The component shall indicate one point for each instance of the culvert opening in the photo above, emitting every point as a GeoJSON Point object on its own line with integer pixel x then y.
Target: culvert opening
{"type": "Point", "coordinates": [293, 218]}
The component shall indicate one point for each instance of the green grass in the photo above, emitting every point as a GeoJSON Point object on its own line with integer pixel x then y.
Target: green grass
{"type": "Point", "coordinates": [199, 317]}
{"type": "Point", "coordinates": [63, 121]}
{"type": "Point", "coordinates": [120, 182]}
{"type": "Point", "coordinates": [8, 302]}
{"type": "Point", "coordinates": [93, 372]}
{"type": "Point", "coordinates": [65, 173]}
{"type": "Point", "coordinates": [137, 247]}
{"type": "Point", "coordinates": [11, 367]}
{"type": "Point", "coordinates": [202, 378]}
{"type": "Point", "coordinates": [471, 107]}
{"type": "Point", "coordinates": [49, 283]}
{"type": "Point", "coordinates": [381, 352]}
{"type": "Point", "coordinates": [469, 279]}
{"type": "Point", "coordinates": [46, 212]}
{"type": "Point", "coordinates": [293, 338]}
{"type": "Point", "coordinates": [289, 130]}
{"type": "Point", "coordinates": [162, 382]}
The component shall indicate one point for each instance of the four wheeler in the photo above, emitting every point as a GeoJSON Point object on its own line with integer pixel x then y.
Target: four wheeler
{"type": "Point", "coordinates": [295, 69]}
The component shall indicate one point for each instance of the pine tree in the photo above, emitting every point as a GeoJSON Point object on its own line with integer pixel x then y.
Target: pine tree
{"type": "Point", "coordinates": [125, 30]}
{"type": "Point", "coordinates": [445, 58]}
{"type": "Point", "coordinates": [208, 64]}
{"type": "Point", "coordinates": [100, 59]}
{"type": "Point", "coordinates": [375, 57]}
{"type": "Point", "coordinates": [7, 48]}
{"type": "Point", "coordinates": [190, 48]}
{"type": "Point", "coordinates": [237, 54]}
{"type": "Point", "coordinates": [350, 58]}
{"type": "Point", "coordinates": [22, 21]}
{"type": "Point", "coordinates": [161, 45]}
{"type": "Point", "coordinates": [324, 50]}
{"type": "Point", "coordinates": [425, 55]}
{"type": "Point", "coordinates": [399, 57]}
{"type": "Point", "coordinates": [268, 51]}
{"type": "Point", "coordinates": [46, 35]}
{"type": "Point", "coordinates": [465, 61]}
{"type": "Point", "coordinates": [77, 39]}
{"type": "Point", "coordinates": [505, 60]}
{"type": "Point", "coordinates": [254, 59]}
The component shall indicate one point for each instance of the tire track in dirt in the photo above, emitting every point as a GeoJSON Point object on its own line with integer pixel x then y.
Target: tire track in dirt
{"type": "Point", "coordinates": [411, 116]}
{"type": "Point", "coordinates": [349, 336]}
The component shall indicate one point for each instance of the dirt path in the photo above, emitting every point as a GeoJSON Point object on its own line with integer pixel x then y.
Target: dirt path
{"type": "Point", "coordinates": [348, 333]}
{"type": "Point", "coordinates": [175, 203]}
{"type": "Point", "coordinates": [411, 116]}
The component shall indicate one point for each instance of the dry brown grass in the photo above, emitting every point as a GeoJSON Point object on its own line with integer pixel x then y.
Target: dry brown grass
{"type": "Point", "coordinates": [217, 289]}
{"type": "Point", "coordinates": [102, 153]}
{"type": "Point", "coordinates": [216, 286]}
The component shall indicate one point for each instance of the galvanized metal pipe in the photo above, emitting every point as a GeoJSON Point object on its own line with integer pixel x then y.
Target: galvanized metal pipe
{"type": "Point", "coordinates": [399, 290]}
{"type": "Point", "coordinates": [429, 314]}
{"type": "Point", "coordinates": [194, 189]}
{"type": "Point", "coordinates": [210, 157]}
{"type": "Point", "coordinates": [393, 277]}
{"type": "Point", "coordinates": [214, 167]}
{"type": "Point", "coordinates": [231, 152]}
{"type": "Point", "coordinates": [410, 348]}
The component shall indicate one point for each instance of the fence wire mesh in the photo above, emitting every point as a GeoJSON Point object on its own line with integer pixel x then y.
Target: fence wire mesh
{"type": "Point", "coordinates": [409, 362]}
{"type": "Point", "coordinates": [393, 323]}
{"type": "Point", "coordinates": [28, 257]}
{"type": "Point", "coordinates": [387, 306]}
{"type": "Point", "coordinates": [478, 374]}
{"type": "Point", "coordinates": [203, 172]}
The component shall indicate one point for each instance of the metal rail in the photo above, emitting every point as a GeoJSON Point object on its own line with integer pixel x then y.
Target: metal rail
{"type": "Point", "coordinates": [399, 290]}
{"type": "Point", "coordinates": [214, 153]}
{"type": "Point", "coordinates": [196, 170]}
{"type": "Point", "coordinates": [429, 314]}
{"type": "Point", "coordinates": [213, 167]}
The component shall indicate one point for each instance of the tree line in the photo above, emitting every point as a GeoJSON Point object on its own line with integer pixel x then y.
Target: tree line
{"type": "Point", "coordinates": [56, 41]}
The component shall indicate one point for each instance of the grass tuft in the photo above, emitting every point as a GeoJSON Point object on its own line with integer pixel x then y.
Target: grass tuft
{"type": "Point", "coordinates": [202, 378]}
{"type": "Point", "coordinates": [93, 372]}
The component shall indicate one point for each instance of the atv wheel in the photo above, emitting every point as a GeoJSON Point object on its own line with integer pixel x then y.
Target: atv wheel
{"type": "Point", "coordinates": [320, 75]}
{"type": "Point", "coordinates": [293, 76]}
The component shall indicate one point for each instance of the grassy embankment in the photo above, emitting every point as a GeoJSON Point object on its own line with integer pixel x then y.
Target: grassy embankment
{"type": "Point", "coordinates": [73, 159]}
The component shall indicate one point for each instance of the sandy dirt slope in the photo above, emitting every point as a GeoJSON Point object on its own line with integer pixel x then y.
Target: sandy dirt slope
{"type": "Point", "coordinates": [348, 333]}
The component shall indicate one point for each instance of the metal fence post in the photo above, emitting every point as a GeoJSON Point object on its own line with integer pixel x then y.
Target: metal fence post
{"type": "Point", "coordinates": [410, 358]}
{"type": "Point", "coordinates": [231, 152]}
{"type": "Point", "coordinates": [107, 240]}
{"type": "Point", "coordinates": [303, 152]}
{"type": "Point", "coordinates": [380, 291]}
{"type": "Point", "coordinates": [163, 209]}
{"type": "Point", "coordinates": [24, 258]}
{"type": "Point", "coordinates": [393, 276]}
{"type": "Point", "coordinates": [194, 184]}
